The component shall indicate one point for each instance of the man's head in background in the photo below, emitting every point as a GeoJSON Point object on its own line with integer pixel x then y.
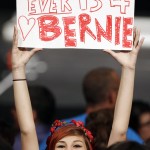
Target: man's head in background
{"type": "Point", "coordinates": [100, 88]}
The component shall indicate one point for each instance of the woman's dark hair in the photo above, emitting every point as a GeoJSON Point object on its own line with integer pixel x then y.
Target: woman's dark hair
{"type": "Point", "coordinates": [7, 132]}
{"type": "Point", "coordinates": [128, 145]}
{"type": "Point", "coordinates": [100, 123]}
{"type": "Point", "coordinates": [4, 145]}
{"type": "Point", "coordinates": [148, 142]}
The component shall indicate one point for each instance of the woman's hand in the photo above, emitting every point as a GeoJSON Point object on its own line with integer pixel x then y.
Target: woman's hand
{"type": "Point", "coordinates": [20, 56]}
{"type": "Point", "coordinates": [128, 58]}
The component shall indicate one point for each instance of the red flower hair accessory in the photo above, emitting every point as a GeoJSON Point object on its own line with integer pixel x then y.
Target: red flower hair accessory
{"type": "Point", "coordinates": [88, 133]}
{"type": "Point", "coordinates": [58, 124]}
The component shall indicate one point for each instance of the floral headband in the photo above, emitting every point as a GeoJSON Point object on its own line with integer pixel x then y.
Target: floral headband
{"type": "Point", "coordinates": [58, 124]}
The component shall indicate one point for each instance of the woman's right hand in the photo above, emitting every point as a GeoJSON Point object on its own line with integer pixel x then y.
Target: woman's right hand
{"type": "Point", "coordinates": [20, 56]}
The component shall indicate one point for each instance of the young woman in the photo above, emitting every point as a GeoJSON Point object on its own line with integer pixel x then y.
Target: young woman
{"type": "Point", "coordinates": [72, 135]}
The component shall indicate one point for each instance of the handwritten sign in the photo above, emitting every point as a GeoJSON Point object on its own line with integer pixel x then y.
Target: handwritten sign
{"type": "Point", "coordinates": [88, 24]}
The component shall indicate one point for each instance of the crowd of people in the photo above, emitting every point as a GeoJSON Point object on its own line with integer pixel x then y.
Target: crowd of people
{"type": "Point", "coordinates": [109, 122]}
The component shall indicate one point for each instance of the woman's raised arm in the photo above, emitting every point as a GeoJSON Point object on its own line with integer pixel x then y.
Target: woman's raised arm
{"type": "Point", "coordinates": [20, 56]}
{"type": "Point", "coordinates": [125, 93]}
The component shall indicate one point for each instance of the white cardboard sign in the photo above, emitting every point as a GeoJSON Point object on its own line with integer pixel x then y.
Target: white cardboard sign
{"type": "Point", "coordinates": [87, 24]}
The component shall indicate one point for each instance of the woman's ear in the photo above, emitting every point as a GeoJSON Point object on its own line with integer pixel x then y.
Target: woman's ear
{"type": "Point", "coordinates": [112, 98]}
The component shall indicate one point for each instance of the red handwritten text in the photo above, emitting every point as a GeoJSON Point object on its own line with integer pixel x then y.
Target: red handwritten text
{"type": "Point", "coordinates": [50, 24]}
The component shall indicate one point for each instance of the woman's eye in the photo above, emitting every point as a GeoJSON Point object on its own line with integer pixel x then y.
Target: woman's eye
{"type": "Point", "coordinates": [77, 146]}
{"type": "Point", "coordinates": [60, 146]}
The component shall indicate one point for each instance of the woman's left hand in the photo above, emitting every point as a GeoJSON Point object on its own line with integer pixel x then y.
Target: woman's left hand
{"type": "Point", "coordinates": [128, 58]}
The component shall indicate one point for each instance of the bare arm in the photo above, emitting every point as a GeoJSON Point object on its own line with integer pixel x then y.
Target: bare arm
{"type": "Point", "coordinates": [125, 93]}
{"type": "Point", "coordinates": [20, 56]}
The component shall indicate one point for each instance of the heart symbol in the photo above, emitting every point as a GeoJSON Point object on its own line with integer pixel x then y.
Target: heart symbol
{"type": "Point", "coordinates": [26, 25]}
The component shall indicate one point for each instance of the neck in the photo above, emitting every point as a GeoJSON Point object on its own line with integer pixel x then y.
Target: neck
{"type": "Point", "coordinates": [96, 107]}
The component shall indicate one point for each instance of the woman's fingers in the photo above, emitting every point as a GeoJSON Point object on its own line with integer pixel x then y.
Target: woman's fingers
{"type": "Point", "coordinates": [35, 50]}
{"type": "Point", "coordinates": [137, 36]}
{"type": "Point", "coordinates": [139, 45]}
{"type": "Point", "coordinates": [136, 43]}
{"type": "Point", "coordinates": [134, 34]}
{"type": "Point", "coordinates": [110, 52]}
{"type": "Point", "coordinates": [23, 49]}
{"type": "Point", "coordinates": [15, 39]}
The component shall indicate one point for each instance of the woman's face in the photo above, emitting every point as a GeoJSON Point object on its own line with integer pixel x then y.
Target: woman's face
{"type": "Point", "coordinates": [71, 143]}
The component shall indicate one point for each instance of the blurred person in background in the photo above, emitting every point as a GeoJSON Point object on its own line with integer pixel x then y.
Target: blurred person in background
{"type": "Point", "coordinates": [7, 134]}
{"type": "Point", "coordinates": [140, 118]}
{"type": "Point", "coordinates": [148, 143]}
{"type": "Point", "coordinates": [100, 88]}
{"type": "Point", "coordinates": [4, 145]}
{"type": "Point", "coordinates": [100, 123]}
{"type": "Point", "coordinates": [127, 145]}
{"type": "Point", "coordinates": [43, 104]}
